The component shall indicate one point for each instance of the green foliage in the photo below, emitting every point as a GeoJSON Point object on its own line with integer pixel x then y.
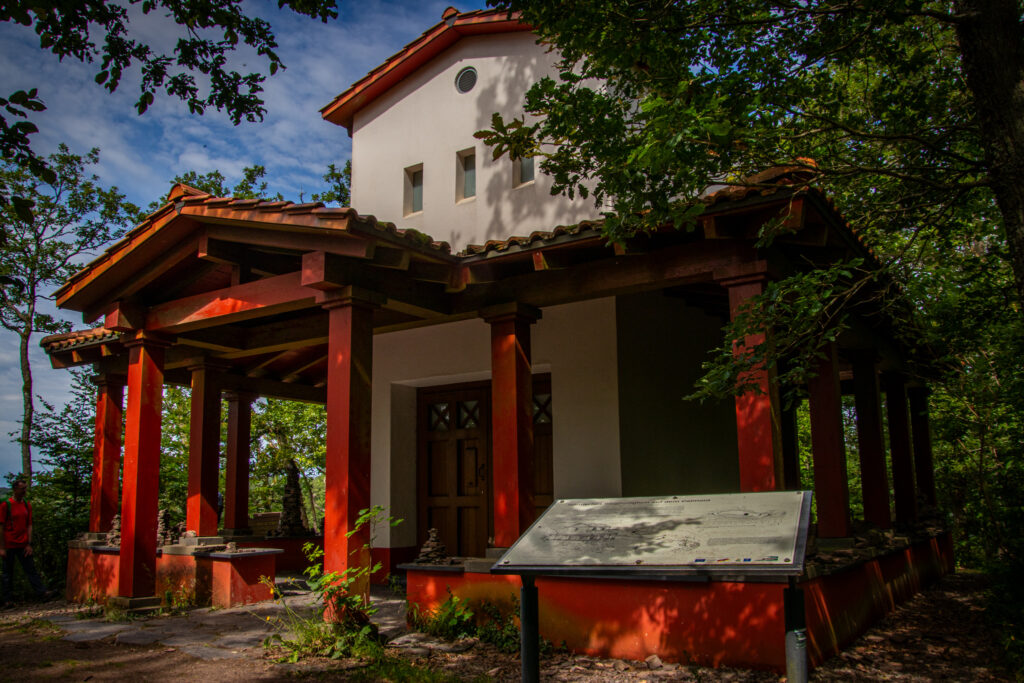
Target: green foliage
{"type": "Point", "coordinates": [252, 185]}
{"type": "Point", "coordinates": [339, 184]}
{"type": "Point", "coordinates": [69, 30]}
{"type": "Point", "coordinates": [805, 312]}
{"type": "Point", "coordinates": [73, 216]}
{"type": "Point", "coordinates": [349, 631]}
{"type": "Point", "coordinates": [451, 620]}
{"type": "Point", "coordinates": [61, 490]}
{"type": "Point", "coordinates": [284, 431]}
{"type": "Point", "coordinates": [501, 629]}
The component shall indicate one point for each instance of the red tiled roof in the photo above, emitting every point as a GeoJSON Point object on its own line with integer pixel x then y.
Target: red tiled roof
{"type": "Point", "coordinates": [67, 340]}
{"type": "Point", "coordinates": [537, 238]}
{"type": "Point", "coordinates": [452, 27]}
{"type": "Point", "coordinates": [190, 201]}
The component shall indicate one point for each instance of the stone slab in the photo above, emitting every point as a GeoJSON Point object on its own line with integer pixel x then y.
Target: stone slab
{"type": "Point", "coordinates": [95, 630]}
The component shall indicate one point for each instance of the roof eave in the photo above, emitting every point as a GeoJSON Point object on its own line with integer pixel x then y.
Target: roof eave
{"type": "Point", "coordinates": [343, 108]}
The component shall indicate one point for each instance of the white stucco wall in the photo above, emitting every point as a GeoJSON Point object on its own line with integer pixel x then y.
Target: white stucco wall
{"type": "Point", "coordinates": [425, 120]}
{"type": "Point", "coordinates": [576, 343]}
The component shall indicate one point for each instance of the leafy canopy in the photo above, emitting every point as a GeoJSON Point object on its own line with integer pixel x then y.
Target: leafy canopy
{"type": "Point", "coordinates": [656, 102]}
{"type": "Point", "coordinates": [198, 71]}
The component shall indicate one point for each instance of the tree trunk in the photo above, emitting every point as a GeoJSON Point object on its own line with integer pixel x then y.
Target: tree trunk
{"type": "Point", "coordinates": [990, 37]}
{"type": "Point", "coordinates": [27, 405]}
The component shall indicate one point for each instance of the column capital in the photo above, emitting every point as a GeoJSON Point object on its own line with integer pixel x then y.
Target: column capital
{"type": "Point", "coordinates": [350, 296]}
{"type": "Point", "coordinates": [109, 379]}
{"type": "Point", "coordinates": [233, 395]}
{"type": "Point", "coordinates": [147, 338]}
{"type": "Point", "coordinates": [204, 363]}
{"type": "Point", "coordinates": [513, 310]}
{"type": "Point", "coordinates": [743, 273]}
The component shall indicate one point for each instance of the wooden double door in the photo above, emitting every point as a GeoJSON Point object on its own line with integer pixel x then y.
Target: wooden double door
{"type": "Point", "coordinates": [453, 468]}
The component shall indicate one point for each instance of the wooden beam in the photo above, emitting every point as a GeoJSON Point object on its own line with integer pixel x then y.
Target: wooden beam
{"type": "Point", "coordinates": [296, 374]}
{"type": "Point", "coordinates": [260, 369]}
{"type": "Point", "coordinates": [289, 391]}
{"type": "Point", "coordinates": [325, 271]}
{"type": "Point", "coordinates": [146, 275]}
{"type": "Point", "coordinates": [261, 298]}
{"type": "Point", "coordinates": [391, 257]}
{"type": "Point", "coordinates": [331, 241]}
{"type": "Point", "coordinates": [678, 265]}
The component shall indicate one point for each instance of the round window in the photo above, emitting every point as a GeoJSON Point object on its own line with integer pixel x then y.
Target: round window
{"type": "Point", "coordinates": [466, 79]}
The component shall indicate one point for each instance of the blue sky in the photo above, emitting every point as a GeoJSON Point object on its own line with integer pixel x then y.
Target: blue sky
{"type": "Point", "coordinates": [140, 154]}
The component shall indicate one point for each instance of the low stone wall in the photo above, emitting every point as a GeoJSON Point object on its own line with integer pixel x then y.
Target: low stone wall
{"type": "Point", "coordinates": [184, 575]}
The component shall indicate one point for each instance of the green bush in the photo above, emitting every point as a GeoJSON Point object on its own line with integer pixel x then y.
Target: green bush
{"type": "Point", "coordinates": [451, 620]}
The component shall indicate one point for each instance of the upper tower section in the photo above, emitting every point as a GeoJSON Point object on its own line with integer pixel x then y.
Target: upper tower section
{"type": "Point", "coordinates": [415, 161]}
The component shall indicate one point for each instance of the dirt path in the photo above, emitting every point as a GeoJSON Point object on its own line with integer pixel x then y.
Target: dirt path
{"type": "Point", "coordinates": [940, 635]}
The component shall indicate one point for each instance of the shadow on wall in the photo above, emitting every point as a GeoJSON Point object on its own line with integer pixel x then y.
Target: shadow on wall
{"type": "Point", "coordinates": [514, 210]}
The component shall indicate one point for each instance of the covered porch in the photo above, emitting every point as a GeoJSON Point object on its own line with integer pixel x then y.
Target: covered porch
{"type": "Point", "coordinates": [465, 392]}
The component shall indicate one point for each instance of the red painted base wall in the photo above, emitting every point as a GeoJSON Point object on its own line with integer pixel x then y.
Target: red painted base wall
{"type": "Point", "coordinates": [180, 579]}
{"type": "Point", "coordinates": [718, 624]}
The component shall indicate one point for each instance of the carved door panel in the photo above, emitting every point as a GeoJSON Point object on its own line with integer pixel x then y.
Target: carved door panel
{"type": "Point", "coordinates": [453, 467]}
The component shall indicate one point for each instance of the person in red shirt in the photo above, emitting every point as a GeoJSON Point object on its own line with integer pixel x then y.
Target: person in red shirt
{"type": "Point", "coordinates": [16, 542]}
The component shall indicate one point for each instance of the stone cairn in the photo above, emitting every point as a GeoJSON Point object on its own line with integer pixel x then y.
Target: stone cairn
{"type": "Point", "coordinates": [114, 535]}
{"type": "Point", "coordinates": [291, 504]}
{"type": "Point", "coordinates": [163, 528]}
{"type": "Point", "coordinates": [433, 551]}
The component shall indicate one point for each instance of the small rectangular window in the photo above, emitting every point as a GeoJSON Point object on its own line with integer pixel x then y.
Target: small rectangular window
{"type": "Point", "coordinates": [469, 175]}
{"type": "Point", "coordinates": [523, 170]}
{"type": "Point", "coordinates": [465, 175]}
{"type": "Point", "coordinates": [413, 194]}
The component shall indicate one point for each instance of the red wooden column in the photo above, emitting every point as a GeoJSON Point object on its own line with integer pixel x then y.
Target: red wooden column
{"type": "Point", "coordinates": [141, 485]}
{"type": "Point", "coordinates": [511, 419]}
{"type": "Point", "coordinates": [204, 451]}
{"type": "Point", "coordinates": [758, 428]}
{"type": "Point", "coordinates": [874, 479]}
{"type": "Point", "coordinates": [831, 491]}
{"type": "Point", "coordinates": [106, 459]}
{"type": "Point", "coordinates": [924, 467]}
{"type": "Point", "coordinates": [899, 448]}
{"type": "Point", "coordinates": [236, 468]}
{"type": "Point", "coordinates": [349, 387]}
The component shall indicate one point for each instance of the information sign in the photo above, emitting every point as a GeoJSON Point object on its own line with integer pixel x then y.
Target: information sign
{"type": "Point", "coordinates": [723, 536]}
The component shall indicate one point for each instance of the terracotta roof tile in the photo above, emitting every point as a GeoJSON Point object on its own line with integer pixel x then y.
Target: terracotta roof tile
{"type": "Point", "coordinates": [68, 340]}
{"type": "Point", "coordinates": [537, 238]}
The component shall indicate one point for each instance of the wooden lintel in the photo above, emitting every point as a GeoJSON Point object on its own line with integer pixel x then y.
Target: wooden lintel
{"type": "Point", "coordinates": [401, 290]}
{"type": "Point", "coordinates": [260, 298]}
{"type": "Point", "coordinates": [219, 339]}
{"type": "Point", "coordinates": [431, 272]}
{"type": "Point", "coordinates": [390, 257]}
{"type": "Point", "coordinates": [124, 316]}
{"type": "Point", "coordinates": [291, 391]}
{"type": "Point", "coordinates": [672, 266]}
{"type": "Point", "coordinates": [330, 241]}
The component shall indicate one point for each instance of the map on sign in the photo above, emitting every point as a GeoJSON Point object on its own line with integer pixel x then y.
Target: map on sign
{"type": "Point", "coordinates": [734, 534]}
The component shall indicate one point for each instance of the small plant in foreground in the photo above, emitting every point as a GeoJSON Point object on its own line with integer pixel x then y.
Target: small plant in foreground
{"type": "Point", "coordinates": [349, 633]}
{"type": "Point", "coordinates": [451, 620]}
{"type": "Point", "coordinates": [500, 630]}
